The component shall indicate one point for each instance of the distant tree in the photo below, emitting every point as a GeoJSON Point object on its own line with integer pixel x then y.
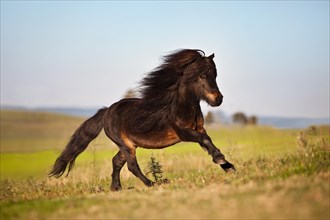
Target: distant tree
{"type": "Point", "coordinates": [130, 94]}
{"type": "Point", "coordinates": [253, 120]}
{"type": "Point", "coordinates": [209, 118]}
{"type": "Point", "coordinates": [240, 118]}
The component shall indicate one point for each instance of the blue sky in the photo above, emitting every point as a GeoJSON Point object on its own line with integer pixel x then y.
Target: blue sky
{"type": "Point", "coordinates": [272, 56]}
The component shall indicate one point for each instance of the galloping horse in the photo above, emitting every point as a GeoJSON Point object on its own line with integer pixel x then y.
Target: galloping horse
{"type": "Point", "coordinates": [168, 112]}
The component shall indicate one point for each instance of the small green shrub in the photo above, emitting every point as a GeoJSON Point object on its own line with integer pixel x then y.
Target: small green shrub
{"type": "Point", "coordinates": [156, 169]}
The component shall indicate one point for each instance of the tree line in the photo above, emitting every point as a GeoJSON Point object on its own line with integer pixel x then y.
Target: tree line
{"type": "Point", "coordinates": [238, 118]}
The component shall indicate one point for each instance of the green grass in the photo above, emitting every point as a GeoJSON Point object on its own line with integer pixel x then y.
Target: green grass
{"type": "Point", "coordinates": [282, 174]}
{"type": "Point", "coordinates": [247, 142]}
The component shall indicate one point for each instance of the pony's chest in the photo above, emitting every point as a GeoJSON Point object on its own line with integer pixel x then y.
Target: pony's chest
{"type": "Point", "coordinates": [189, 119]}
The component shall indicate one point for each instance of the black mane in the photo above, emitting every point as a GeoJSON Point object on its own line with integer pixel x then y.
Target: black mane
{"type": "Point", "coordinates": [161, 84]}
{"type": "Point", "coordinates": [159, 89]}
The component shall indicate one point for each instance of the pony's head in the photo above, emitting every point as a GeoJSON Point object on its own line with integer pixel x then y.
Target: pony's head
{"type": "Point", "coordinates": [200, 76]}
{"type": "Point", "coordinates": [188, 69]}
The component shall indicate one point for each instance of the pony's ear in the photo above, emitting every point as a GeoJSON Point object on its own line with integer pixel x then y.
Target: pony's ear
{"type": "Point", "coordinates": [211, 56]}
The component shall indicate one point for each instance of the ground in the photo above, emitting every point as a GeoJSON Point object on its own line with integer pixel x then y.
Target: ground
{"type": "Point", "coordinates": [281, 174]}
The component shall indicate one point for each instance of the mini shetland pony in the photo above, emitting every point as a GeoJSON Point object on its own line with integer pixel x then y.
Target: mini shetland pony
{"type": "Point", "coordinates": [167, 113]}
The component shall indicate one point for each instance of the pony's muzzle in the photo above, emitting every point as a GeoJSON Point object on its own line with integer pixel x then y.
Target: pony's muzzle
{"type": "Point", "coordinates": [215, 98]}
{"type": "Point", "coordinates": [219, 99]}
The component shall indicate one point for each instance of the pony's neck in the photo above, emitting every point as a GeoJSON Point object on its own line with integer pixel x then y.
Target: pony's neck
{"type": "Point", "coordinates": [187, 97]}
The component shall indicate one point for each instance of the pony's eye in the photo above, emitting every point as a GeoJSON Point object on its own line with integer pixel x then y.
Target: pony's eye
{"type": "Point", "coordinates": [203, 76]}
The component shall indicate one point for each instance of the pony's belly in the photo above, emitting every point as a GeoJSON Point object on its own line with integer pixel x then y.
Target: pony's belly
{"type": "Point", "coordinates": [154, 140]}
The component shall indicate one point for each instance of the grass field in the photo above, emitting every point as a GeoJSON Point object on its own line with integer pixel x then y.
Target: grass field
{"type": "Point", "coordinates": [282, 174]}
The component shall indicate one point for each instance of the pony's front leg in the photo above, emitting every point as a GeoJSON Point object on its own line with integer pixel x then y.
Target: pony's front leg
{"type": "Point", "coordinates": [206, 143]}
{"type": "Point", "coordinates": [218, 157]}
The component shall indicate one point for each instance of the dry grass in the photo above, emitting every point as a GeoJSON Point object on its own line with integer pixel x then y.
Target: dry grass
{"type": "Point", "coordinates": [272, 182]}
{"type": "Point", "coordinates": [297, 197]}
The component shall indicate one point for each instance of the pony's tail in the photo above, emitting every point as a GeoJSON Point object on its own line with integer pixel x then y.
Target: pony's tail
{"type": "Point", "coordinates": [79, 141]}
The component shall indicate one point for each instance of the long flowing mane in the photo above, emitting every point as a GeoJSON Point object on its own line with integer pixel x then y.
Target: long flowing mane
{"type": "Point", "coordinates": [159, 89]}
{"type": "Point", "coordinates": [162, 82]}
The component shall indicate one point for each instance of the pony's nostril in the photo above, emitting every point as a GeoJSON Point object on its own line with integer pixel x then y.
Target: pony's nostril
{"type": "Point", "coordinates": [218, 99]}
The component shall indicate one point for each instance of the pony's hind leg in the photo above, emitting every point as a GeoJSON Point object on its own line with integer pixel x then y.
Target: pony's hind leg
{"type": "Point", "coordinates": [133, 166]}
{"type": "Point", "coordinates": [118, 161]}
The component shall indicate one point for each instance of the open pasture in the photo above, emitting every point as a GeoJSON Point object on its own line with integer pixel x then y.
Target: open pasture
{"type": "Point", "coordinates": [281, 174]}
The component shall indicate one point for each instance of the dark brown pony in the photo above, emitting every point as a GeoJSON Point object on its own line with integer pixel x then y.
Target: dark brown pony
{"type": "Point", "coordinates": [168, 112]}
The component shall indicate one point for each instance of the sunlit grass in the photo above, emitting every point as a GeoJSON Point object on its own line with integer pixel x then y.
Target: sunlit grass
{"type": "Point", "coordinates": [280, 174]}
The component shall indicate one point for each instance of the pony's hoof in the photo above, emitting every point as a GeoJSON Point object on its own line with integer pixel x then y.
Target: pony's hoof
{"type": "Point", "coordinates": [115, 188]}
{"type": "Point", "coordinates": [149, 183]}
{"type": "Point", "coordinates": [228, 167]}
